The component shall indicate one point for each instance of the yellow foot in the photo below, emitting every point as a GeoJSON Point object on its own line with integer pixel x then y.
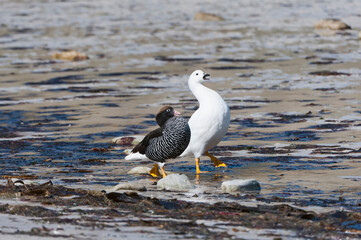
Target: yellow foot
{"type": "Point", "coordinates": [198, 171]}
{"type": "Point", "coordinates": [155, 171]}
{"type": "Point", "coordinates": [215, 161]}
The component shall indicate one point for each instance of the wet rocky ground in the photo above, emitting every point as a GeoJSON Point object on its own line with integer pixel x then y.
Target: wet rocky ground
{"type": "Point", "coordinates": [293, 91]}
{"type": "Point", "coordinates": [61, 212]}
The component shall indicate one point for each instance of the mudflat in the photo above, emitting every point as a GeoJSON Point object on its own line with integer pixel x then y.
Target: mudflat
{"type": "Point", "coordinates": [293, 91]}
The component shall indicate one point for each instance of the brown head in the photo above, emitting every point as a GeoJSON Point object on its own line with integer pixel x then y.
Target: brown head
{"type": "Point", "coordinates": [164, 114]}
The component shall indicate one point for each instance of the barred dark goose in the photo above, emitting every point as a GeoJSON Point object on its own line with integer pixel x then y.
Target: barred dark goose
{"type": "Point", "coordinates": [166, 142]}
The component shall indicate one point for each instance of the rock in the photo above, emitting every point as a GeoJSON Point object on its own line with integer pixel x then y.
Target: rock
{"type": "Point", "coordinates": [127, 151]}
{"type": "Point", "coordinates": [332, 24]}
{"type": "Point", "coordinates": [239, 185]}
{"type": "Point", "coordinates": [175, 182]}
{"type": "Point", "coordinates": [359, 35]}
{"type": "Point", "coordinates": [140, 185]}
{"type": "Point", "coordinates": [202, 16]}
{"type": "Point", "coordinates": [70, 56]}
{"type": "Point", "coordinates": [127, 197]}
{"type": "Point", "coordinates": [127, 140]}
{"type": "Point", "coordinates": [139, 170]}
{"type": "Point", "coordinates": [144, 170]}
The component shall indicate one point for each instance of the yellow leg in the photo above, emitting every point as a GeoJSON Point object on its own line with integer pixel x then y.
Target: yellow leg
{"type": "Point", "coordinates": [155, 171]}
{"type": "Point", "coordinates": [198, 171]}
{"type": "Point", "coordinates": [216, 161]}
{"type": "Point", "coordinates": [163, 172]}
{"type": "Point", "coordinates": [197, 166]}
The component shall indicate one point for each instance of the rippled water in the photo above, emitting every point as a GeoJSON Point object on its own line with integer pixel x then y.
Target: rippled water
{"type": "Point", "coordinates": [294, 92]}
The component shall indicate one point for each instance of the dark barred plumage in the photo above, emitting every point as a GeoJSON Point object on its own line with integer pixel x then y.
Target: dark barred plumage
{"type": "Point", "coordinates": [175, 138]}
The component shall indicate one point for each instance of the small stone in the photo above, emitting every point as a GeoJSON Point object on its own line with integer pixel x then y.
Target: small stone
{"type": "Point", "coordinates": [202, 16]}
{"type": "Point", "coordinates": [139, 170]}
{"type": "Point", "coordinates": [239, 185]}
{"type": "Point", "coordinates": [127, 140]}
{"type": "Point", "coordinates": [175, 182]}
{"type": "Point", "coordinates": [70, 56]}
{"type": "Point", "coordinates": [127, 151]}
{"type": "Point", "coordinates": [332, 24]}
{"type": "Point", "coordinates": [133, 185]}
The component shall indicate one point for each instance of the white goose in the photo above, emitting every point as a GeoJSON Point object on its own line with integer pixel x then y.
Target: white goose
{"type": "Point", "coordinates": [209, 124]}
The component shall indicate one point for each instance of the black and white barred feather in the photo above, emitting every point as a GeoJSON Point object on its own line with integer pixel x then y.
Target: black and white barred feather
{"type": "Point", "coordinates": [175, 138]}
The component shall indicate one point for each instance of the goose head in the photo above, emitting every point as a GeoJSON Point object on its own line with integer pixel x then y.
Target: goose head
{"type": "Point", "coordinates": [164, 114]}
{"type": "Point", "coordinates": [198, 76]}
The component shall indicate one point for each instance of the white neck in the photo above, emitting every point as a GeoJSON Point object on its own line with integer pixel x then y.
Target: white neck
{"type": "Point", "coordinates": [201, 92]}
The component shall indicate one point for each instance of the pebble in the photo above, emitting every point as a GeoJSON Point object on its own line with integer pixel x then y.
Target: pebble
{"type": "Point", "coordinates": [332, 24]}
{"type": "Point", "coordinates": [202, 16]}
{"type": "Point", "coordinates": [139, 170]}
{"type": "Point", "coordinates": [70, 56]}
{"type": "Point", "coordinates": [239, 185]}
{"type": "Point", "coordinates": [175, 182]}
{"type": "Point", "coordinates": [127, 140]}
{"type": "Point", "coordinates": [140, 185]}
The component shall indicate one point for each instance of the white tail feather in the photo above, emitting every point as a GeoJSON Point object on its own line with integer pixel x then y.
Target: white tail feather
{"type": "Point", "coordinates": [135, 156]}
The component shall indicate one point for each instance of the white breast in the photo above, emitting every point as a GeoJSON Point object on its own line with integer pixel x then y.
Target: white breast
{"type": "Point", "coordinates": [209, 124]}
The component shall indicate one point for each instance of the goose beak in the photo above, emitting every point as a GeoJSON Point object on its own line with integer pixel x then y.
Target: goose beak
{"type": "Point", "coordinates": [176, 113]}
{"type": "Point", "coordinates": [206, 76]}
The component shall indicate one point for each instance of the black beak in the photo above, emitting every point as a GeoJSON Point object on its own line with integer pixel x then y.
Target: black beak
{"type": "Point", "coordinates": [206, 76]}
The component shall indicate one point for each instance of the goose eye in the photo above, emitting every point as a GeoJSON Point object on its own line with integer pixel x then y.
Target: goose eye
{"type": "Point", "coordinates": [197, 74]}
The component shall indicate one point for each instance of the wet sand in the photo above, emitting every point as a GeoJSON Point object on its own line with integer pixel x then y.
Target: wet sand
{"type": "Point", "coordinates": [294, 94]}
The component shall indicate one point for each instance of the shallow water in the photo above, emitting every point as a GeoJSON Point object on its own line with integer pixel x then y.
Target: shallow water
{"type": "Point", "coordinates": [294, 92]}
